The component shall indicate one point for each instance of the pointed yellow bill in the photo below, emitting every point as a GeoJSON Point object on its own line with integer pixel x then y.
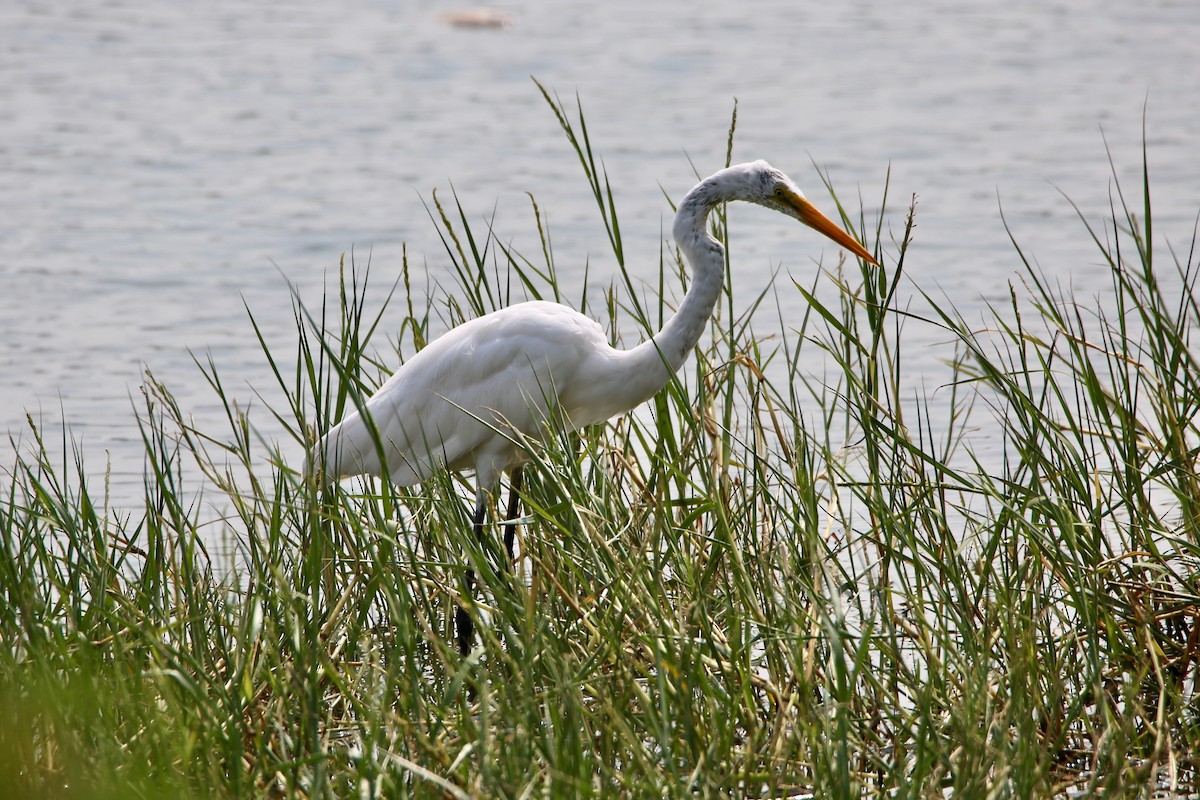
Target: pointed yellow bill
{"type": "Point", "coordinates": [814, 219]}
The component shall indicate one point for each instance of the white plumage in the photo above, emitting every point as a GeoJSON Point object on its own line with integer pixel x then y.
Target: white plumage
{"type": "Point", "coordinates": [465, 401]}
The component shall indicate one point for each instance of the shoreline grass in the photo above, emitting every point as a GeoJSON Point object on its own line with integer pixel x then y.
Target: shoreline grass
{"type": "Point", "coordinates": [756, 586]}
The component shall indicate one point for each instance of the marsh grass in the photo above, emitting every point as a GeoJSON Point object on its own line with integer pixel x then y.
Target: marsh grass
{"type": "Point", "coordinates": [762, 584]}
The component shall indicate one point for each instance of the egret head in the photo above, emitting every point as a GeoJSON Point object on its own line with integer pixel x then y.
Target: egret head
{"type": "Point", "coordinates": [758, 182]}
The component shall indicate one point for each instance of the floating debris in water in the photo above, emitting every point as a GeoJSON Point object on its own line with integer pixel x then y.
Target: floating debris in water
{"type": "Point", "coordinates": [477, 18]}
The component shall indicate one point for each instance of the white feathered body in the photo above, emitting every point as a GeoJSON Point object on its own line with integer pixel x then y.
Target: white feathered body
{"type": "Point", "coordinates": [466, 400]}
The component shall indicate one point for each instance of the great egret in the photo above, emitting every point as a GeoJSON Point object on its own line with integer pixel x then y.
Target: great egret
{"type": "Point", "coordinates": [474, 396]}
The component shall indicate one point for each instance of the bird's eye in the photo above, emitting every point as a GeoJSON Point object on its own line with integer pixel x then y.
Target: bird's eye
{"type": "Point", "coordinates": [779, 191]}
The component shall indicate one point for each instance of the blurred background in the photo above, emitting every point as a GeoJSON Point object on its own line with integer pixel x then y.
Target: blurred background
{"type": "Point", "coordinates": [162, 162]}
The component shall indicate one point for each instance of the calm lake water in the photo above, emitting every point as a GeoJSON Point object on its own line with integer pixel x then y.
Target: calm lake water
{"type": "Point", "coordinates": [162, 161]}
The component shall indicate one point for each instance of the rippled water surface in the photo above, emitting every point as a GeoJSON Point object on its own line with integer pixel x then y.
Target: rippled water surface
{"type": "Point", "coordinates": [161, 163]}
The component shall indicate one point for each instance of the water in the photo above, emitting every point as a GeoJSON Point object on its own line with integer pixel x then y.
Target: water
{"type": "Point", "coordinates": [162, 162]}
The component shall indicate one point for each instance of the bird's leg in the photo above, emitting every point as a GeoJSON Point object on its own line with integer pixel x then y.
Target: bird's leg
{"type": "Point", "coordinates": [463, 627]}
{"type": "Point", "coordinates": [514, 508]}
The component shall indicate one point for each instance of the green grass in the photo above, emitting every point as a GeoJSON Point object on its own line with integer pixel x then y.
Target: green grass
{"type": "Point", "coordinates": [763, 584]}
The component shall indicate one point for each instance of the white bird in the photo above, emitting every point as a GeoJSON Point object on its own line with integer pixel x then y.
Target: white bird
{"type": "Point", "coordinates": [475, 397]}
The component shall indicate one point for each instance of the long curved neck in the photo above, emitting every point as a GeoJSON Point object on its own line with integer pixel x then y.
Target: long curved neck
{"type": "Point", "coordinates": [651, 364]}
{"type": "Point", "coordinates": [706, 257]}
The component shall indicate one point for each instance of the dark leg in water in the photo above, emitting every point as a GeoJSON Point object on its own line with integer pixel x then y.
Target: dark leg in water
{"type": "Point", "coordinates": [464, 628]}
{"type": "Point", "coordinates": [514, 510]}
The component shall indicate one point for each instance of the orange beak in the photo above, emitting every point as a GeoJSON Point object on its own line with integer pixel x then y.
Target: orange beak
{"type": "Point", "coordinates": [814, 219]}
